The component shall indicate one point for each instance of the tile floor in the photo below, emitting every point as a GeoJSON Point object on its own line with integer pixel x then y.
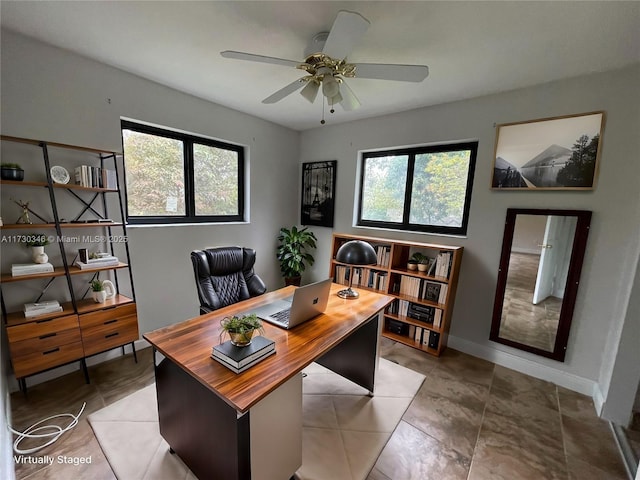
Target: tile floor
{"type": "Point", "coordinates": [471, 419]}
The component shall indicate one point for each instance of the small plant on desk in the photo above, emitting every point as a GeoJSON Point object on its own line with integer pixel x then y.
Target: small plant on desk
{"type": "Point", "coordinates": [241, 328]}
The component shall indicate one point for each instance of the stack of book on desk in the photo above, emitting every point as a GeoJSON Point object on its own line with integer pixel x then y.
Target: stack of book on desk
{"type": "Point", "coordinates": [104, 261]}
{"type": "Point", "coordinates": [41, 308]}
{"type": "Point", "coordinates": [20, 269]}
{"type": "Point", "coordinates": [239, 359]}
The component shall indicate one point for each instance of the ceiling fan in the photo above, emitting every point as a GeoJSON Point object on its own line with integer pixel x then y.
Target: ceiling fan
{"type": "Point", "coordinates": [326, 65]}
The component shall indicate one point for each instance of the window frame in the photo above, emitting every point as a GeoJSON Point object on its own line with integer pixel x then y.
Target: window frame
{"type": "Point", "coordinates": [412, 152]}
{"type": "Point", "coordinates": [188, 141]}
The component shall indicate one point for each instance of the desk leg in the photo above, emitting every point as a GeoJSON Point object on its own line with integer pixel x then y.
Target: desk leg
{"type": "Point", "coordinates": [356, 357]}
{"type": "Point", "coordinates": [205, 432]}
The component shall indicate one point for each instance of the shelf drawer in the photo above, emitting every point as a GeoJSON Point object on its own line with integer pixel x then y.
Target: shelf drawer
{"type": "Point", "coordinates": [110, 334]}
{"type": "Point", "coordinates": [45, 342]}
{"type": "Point", "coordinates": [35, 362]}
{"type": "Point", "coordinates": [107, 316]}
{"type": "Point", "coordinates": [39, 328]}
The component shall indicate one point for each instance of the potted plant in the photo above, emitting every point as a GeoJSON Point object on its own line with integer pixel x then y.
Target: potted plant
{"type": "Point", "coordinates": [37, 242]}
{"type": "Point", "coordinates": [418, 261]}
{"type": "Point", "coordinates": [11, 171]}
{"type": "Point", "coordinates": [241, 328]}
{"type": "Point", "coordinates": [293, 253]}
{"type": "Point", "coordinates": [102, 290]}
{"type": "Point", "coordinates": [97, 287]}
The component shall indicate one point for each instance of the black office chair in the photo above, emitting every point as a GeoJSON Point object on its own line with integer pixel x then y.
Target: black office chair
{"type": "Point", "coordinates": [224, 275]}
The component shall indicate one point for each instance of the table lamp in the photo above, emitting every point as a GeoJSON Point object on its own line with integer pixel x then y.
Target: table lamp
{"type": "Point", "coordinates": [355, 253]}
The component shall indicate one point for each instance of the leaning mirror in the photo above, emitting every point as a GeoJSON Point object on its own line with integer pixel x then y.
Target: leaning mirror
{"type": "Point", "coordinates": [538, 277]}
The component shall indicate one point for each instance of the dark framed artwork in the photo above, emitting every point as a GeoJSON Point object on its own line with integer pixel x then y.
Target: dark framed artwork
{"type": "Point", "coordinates": [318, 192]}
{"type": "Point", "coordinates": [560, 153]}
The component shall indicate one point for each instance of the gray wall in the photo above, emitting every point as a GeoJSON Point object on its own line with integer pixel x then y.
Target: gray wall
{"type": "Point", "coordinates": [612, 249]}
{"type": "Point", "coordinates": [51, 94]}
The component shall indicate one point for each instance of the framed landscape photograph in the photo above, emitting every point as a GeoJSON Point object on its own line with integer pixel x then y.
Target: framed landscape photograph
{"type": "Point", "coordinates": [318, 192]}
{"type": "Point", "coordinates": [560, 153]}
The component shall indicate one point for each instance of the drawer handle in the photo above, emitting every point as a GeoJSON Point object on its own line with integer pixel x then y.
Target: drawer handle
{"type": "Point", "coordinates": [44, 321]}
{"type": "Point", "coordinates": [111, 335]}
{"type": "Point", "coordinates": [110, 321]}
{"type": "Point", "coordinates": [51, 351]}
{"type": "Point", "coordinates": [48, 335]}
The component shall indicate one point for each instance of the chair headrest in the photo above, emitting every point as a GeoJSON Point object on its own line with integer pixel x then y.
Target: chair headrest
{"type": "Point", "coordinates": [222, 261]}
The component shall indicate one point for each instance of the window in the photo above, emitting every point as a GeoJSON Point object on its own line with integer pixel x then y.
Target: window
{"type": "Point", "coordinates": [173, 177]}
{"type": "Point", "coordinates": [425, 189]}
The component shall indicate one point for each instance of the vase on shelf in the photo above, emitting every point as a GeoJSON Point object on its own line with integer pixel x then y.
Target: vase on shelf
{"type": "Point", "coordinates": [38, 255]}
{"type": "Point", "coordinates": [99, 297]}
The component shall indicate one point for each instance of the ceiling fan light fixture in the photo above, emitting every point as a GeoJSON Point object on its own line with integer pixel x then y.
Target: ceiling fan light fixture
{"type": "Point", "coordinates": [337, 98]}
{"type": "Point", "coordinates": [310, 90]}
{"type": "Point", "coordinates": [330, 86]}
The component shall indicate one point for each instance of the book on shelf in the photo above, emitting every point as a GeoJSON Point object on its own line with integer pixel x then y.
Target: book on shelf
{"type": "Point", "coordinates": [417, 334]}
{"type": "Point", "coordinates": [422, 313]}
{"type": "Point", "coordinates": [426, 335]}
{"type": "Point", "coordinates": [433, 340]}
{"type": "Point", "coordinates": [239, 359]}
{"type": "Point", "coordinates": [41, 308]}
{"type": "Point", "coordinates": [437, 321]}
{"type": "Point", "coordinates": [90, 176]}
{"type": "Point", "coordinates": [97, 262]}
{"type": "Point", "coordinates": [443, 264]}
{"type": "Point", "coordinates": [383, 255]}
{"type": "Point", "coordinates": [42, 312]}
{"type": "Point", "coordinates": [22, 269]}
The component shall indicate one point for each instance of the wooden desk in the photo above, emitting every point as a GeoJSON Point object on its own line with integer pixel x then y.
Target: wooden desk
{"type": "Point", "coordinates": [210, 415]}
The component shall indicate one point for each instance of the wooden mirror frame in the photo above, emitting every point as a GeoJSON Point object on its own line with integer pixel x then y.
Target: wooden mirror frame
{"type": "Point", "coordinates": [571, 288]}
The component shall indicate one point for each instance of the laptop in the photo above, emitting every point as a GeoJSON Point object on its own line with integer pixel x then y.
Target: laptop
{"type": "Point", "coordinates": [307, 302]}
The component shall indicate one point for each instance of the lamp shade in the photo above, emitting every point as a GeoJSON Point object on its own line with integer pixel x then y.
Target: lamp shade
{"type": "Point", "coordinates": [356, 252]}
{"type": "Point", "coordinates": [310, 90]}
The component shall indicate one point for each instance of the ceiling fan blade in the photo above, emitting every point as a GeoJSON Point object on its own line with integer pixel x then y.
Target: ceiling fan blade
{"type": "Point", "coordinates": [346, 31]}
{"type": "Point", "coordinates": [250, 57]}
{"type": "Point", "coordinates": [283, 92]}
{"type": "Point", "coordinates": [349, 100]}
{"type": "Point", "coordinates": [383, 71]}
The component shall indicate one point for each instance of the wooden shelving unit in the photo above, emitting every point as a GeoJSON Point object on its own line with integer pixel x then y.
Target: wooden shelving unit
{"type": "Point", "coordinates": [83, 327]}
{"type": "Point", "coordinates": [415, 308]}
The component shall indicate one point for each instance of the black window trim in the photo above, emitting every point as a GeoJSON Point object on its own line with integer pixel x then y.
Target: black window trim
{"type": "Point", "coordinates": [189, 140]}
{"type": "Point", "coordinates": [411, 152]}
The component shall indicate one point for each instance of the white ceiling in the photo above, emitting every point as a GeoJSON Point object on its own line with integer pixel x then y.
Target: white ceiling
{"type": "Point", "coordinates": [472, 48]}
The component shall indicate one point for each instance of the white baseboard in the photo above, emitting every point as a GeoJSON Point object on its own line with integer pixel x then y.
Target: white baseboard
{"type": "Point", "coordinates": [528, 367]}
{"type": "Point", "coordinates": [72, 367]}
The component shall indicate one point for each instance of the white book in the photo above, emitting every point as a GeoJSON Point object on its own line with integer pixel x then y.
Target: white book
{"type": "Point", "coordinates": [30, 269]}
{"type": "Point", "coordinates": [30, 266]}
{"type": "Point", "coordinates": [418, 335]}
{"type": "Point", "coordinates": [107, 263]}
{"type": "Point", "coordinates": [32, 307]}
{"type": "Point", "coordinates": [42, 312]}
{"type": "Point", "coordinates": [101, 259]}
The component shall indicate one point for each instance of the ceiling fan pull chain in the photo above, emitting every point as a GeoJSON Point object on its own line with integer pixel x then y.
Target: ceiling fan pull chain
{"type": "Point", "coordinates": [322, 121]}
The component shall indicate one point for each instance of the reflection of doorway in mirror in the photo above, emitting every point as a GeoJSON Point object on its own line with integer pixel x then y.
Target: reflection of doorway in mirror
{"type": "Point", "coordinates": [536, 279]}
